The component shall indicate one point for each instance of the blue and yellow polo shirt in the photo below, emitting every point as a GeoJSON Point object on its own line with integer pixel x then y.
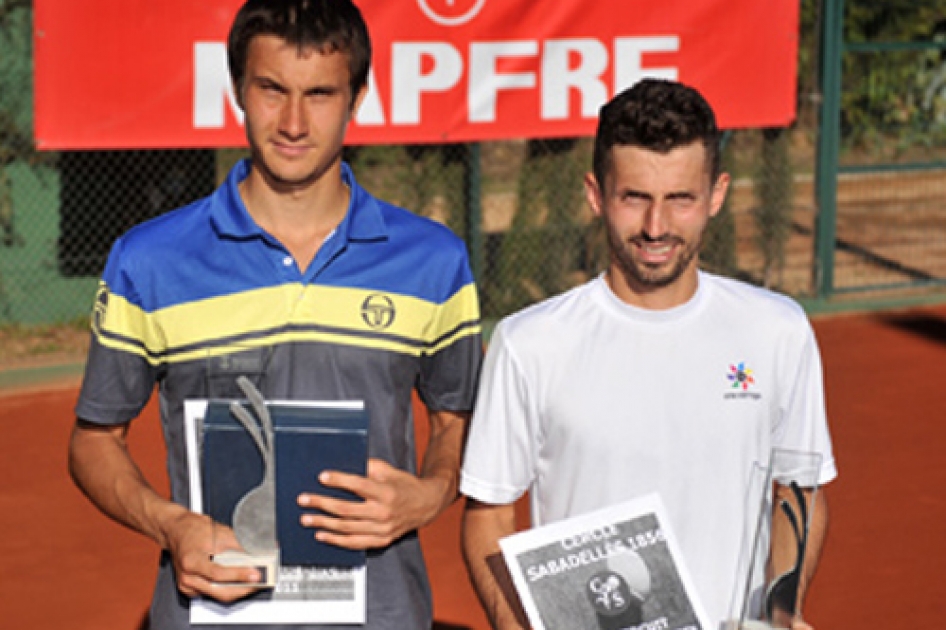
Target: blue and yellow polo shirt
{"type": "Point", "coordinates": [198, 296]}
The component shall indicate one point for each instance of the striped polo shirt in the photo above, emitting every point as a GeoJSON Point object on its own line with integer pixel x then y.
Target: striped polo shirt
{"type": "Point", "coordinates": [198, 296]}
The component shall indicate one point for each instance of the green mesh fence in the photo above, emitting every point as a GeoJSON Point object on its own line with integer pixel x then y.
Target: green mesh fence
{"type": "Point", "coordinates": [535, 232]}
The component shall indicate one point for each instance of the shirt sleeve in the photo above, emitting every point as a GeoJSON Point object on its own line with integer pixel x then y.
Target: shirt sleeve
{"type": "Point", "coordinates": [119, 375]}
{"type": "Point", "coordinates": [801, 437]}
{"type": "Point", "coordinates": [449, 368]}
{"type": "Point", "coordinates": [499, 462]}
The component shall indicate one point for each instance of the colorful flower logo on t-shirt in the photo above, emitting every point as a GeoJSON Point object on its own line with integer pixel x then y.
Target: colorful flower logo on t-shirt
{"type": "Point", "coordinates": [740, 376]}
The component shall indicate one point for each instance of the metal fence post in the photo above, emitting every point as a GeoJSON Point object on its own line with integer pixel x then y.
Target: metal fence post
{"type": "Point", "coordinates": [829, 139]}
{"type": "Point", "coordinates": [474, 224]}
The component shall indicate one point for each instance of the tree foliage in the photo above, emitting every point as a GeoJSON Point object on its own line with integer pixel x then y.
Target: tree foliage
{"type": "Point", "coordinates": [16, 85]}
{"type": "Point", "coordinates": [894, 81]}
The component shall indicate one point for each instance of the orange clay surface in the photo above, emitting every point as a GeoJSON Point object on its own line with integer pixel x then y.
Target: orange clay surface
{"type": "Point", "coordinates": [63, 565]}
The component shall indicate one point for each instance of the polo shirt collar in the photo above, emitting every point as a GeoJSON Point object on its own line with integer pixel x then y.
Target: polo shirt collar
{"type": "Point", "coordinates": [363, 221]}
{"type": "Point", "coordinates": [227, 212]}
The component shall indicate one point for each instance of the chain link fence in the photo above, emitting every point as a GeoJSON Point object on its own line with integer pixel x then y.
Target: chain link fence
{"type": "Point", "coordinates": [533, 231]}
{"type": "Point", "coordinates": [891, 215]}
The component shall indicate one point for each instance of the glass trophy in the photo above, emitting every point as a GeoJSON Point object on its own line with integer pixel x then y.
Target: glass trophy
{"type": "Point", "coordinates": [781, 499]}
{"type": "Point", "coordinates": [236, 428]}
{"type": "Point", "coordinates": [238, 473]}
{"type": "Point", "coordinates": [258, 456]}
{"type": "Point", "coordinates": [234, 437]}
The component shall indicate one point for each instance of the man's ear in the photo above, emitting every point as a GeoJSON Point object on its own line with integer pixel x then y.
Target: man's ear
{"type": "Point", "coordinates": [593, 194]}
{"type": "Point", "coordinates": [357, 101]}
{"type": "Point", "coordinates": [718, 194]}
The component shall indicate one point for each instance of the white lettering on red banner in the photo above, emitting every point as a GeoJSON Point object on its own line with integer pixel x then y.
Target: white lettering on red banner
{"type": "Point", "coordinates": [213, 90]}
{"type": "Point", "coordinates": [443, 70]}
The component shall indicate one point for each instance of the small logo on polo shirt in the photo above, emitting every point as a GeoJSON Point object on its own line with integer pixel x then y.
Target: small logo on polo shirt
{"type": "Point", "coordinates": [741, 380]}
{"type": "Point", "coordinates": [378, 311]}
{"type": "Point", "coordinates": [98, 311]}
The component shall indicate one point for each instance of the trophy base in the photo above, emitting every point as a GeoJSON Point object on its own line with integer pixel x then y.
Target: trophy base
{"type": "Point", "coordinates": [266, 563]}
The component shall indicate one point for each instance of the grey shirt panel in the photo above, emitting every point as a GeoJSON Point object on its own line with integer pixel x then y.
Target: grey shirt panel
{"type": "Point", "coordinates": [398, 590]}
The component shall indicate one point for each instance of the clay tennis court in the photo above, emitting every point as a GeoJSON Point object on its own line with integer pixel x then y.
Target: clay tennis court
{"type": "Point", "coordinates": [63, 565]}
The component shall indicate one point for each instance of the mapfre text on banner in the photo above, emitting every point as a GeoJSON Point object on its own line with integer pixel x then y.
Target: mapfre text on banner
{"type": "Point", "coordinates": [132, 74]}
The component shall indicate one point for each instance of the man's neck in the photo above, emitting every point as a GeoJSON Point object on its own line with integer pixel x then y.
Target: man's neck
{"type": "Point", "coordinates": [300, 218]}
{"type": "Point", "coordinates": [675, 294]}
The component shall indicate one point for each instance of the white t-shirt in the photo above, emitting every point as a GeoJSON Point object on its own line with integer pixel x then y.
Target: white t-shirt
{"type": "Point", "coordinates": [586, 401]}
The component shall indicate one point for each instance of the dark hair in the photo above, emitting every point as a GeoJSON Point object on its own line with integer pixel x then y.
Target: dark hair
{"type": "Point", "coordinates": [326, 25]}
{"type": "Point", "coordinates": [657, 115]}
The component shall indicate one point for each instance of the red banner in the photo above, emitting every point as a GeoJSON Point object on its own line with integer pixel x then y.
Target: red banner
{"type": "Point", "coordinates": [145, 74]}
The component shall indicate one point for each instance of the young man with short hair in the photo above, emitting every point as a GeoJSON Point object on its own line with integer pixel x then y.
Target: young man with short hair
{"type": "Point", "coordinates": [621, 387]}
{"type": "Point", "coordinates": [278, 276]}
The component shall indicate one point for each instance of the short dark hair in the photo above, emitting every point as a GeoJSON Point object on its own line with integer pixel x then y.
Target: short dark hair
{"type": "Point", "coordinates": [658, 115]}
{"type": "Point", "coordinates": [326, 25]}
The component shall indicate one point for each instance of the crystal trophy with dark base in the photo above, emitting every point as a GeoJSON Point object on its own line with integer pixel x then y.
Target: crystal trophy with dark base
{"type": "Point", "coordinates": [781, 499]}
